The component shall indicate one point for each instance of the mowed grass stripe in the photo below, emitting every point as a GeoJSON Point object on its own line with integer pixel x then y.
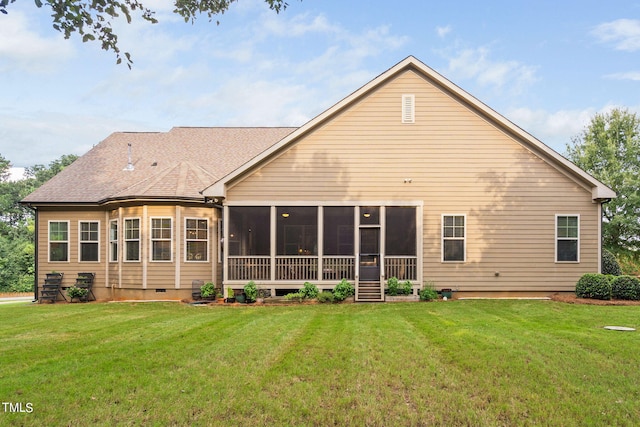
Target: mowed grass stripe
{"type": "Point", "coordinates": [454, 363]}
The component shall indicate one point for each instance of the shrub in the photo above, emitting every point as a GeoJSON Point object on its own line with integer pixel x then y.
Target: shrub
{"type": "Point", "coordinates": [407, 288]}
{"type": "Point", "coordinates": [309, 290]}
{"type": "Point", "coordinates": [208, 290]}
{"type": "Point", "coordinates": [592, 285]}
{"type": "Point", "coordinates": [251, 291]}
{"type": "Point", "coordinates": [294, 296]}
{"type": "Point", "coordinates": [610, 264]}
{"type": "Point", "coordinates": [428, 293]}
{"type": "Point", "coordinates": [326, 298]}
{"type": "Point", "coordinates": [75, 292]}
{"type": "Point", "coordinates": [625, 287]}
{"type": "Point", "coordinates": [343, 290]}
{"type": "Point", "coordinates": [392, 286]}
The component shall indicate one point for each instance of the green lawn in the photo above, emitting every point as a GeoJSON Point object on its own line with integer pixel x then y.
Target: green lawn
{"type": "Point", "coordinates": [446, 363]}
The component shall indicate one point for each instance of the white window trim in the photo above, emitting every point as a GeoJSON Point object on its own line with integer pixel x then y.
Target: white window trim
{"type": "Point", "coordinates": [408, 108]}
{"type": "Point", "coordinates": [151, 239]}
{"type": "Point", "coordinates": [125, 240]}
{"type": "Point", "coordinates": [59, 241]}
{"type": "Point", "coordinates": [464, 239]}
{"type": "Point", "coordinates": [116, 241]}
{"type": "Point", "coordinates": [555, 253]}
{"type": "Point", "coordinates": [186, 239]}
{"type": "Point", "coordinates": [80, 241]}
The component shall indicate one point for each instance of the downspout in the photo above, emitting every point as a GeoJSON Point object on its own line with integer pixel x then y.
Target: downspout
{"type": "Point", "coordinates": [35, 249]}
{"type": "Point", "coordinates": [602, 203]}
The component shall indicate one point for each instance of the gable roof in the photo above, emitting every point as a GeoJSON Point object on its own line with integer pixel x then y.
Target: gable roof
{"type": "Point", "coordinates": [166, 165]}
{"type": "Point", "coordinates": [599, 191]}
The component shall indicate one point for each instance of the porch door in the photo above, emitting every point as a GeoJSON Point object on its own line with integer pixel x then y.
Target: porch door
{"type": "Point", "coordinates": [369, 254]}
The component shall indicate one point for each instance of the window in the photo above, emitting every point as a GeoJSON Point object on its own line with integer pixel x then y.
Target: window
{"type": "Point", "coordinates": [197, 239]}
{"type": "Point", "coordinates": [88, 241]}
{"type": "Point", "coordinates": [408, 109]}
{"type": "Point", "coordinates": [338, 230]}
{"type": "Point", "coordinates": [249, 230]}
{"type": "Point", "coordinates": [58, 241]}
{"type": "Point", "coordinates": [113, 241]}
{"type": "Point", "coordinates": [453, 237]}
{"type": "Point", "coordinates": [161, 239]}
{"type": "Point", "coordinates": [132, 239]}
{"type": "Point", "coordinates": [567, 238]}
{"type": "Point", "coordinates": [297, 228]}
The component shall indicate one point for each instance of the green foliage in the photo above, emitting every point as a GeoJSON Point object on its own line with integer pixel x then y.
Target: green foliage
{"type": "Point", "coordinates": [251, 291]}
{"type": "Point", "coordinates": [326, 297]}
{"type": "Point", "coordinates": [309, 290]}
{"type": "Point", "coordinates": [609, 264]}
{"type": "Point", "coordinates": [594, 285]}
{"type": "Point", "coordinates": [629, 262]}
{"type": "Point", "coordinates": [609, 149]}
{"type": "Point", "coordinates": [75, 292]}
{"type": "Point", "coordinates": [93, 19]}
{"type": "Point", "coordinates": [230, 293]}
{"type": "Point", "coordinates": [428, 293]}
{"type": "Point", "coordinates": [294, 296]}
{"type": "Point", "coordinates": [208, 290]}
{"type": "Point", "coordinates": [393, 285]}
{"type": "Point", "coordinates": [343, 290]}
{"type": "Point", "coordinates": [625, 287]}
{"type": "Point", "coordinates": [407, 288]}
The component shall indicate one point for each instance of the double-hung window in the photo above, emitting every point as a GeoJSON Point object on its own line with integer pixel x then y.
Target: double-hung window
{"type": "Point", "coordinates": [132, 239]}
{"type": "Point", "coordinates": [453, 238]}
{"type": "Point", "coordinates": [567, 238]}
{"type": "Point", "coordinates": [196, 239]}
{"type": "Point", "coordinates": [58, 241]}
{"type": "Point", "coordinates": [89, 241]}
{"type": "Point", "coordinates": [113, 240]}
{"type": "Point", "coordinates": [161, 234]}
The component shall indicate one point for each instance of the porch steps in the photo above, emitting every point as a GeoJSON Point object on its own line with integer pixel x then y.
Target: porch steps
{"type": "Point", "coordinates": [369, 292]}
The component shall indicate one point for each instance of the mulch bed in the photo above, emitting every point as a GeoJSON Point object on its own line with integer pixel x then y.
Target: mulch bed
{"type": "Point", "coordinates": [573, 299]}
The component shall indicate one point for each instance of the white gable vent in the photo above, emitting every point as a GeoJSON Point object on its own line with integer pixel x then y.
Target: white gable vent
{"type": "Point", "coordinates": [408, 109]}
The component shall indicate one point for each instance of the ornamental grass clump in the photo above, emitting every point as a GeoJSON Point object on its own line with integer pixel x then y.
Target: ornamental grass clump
{"type": "Point", "coordinates": [595, 286]}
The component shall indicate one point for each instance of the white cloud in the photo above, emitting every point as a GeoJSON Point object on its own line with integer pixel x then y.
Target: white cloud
{"type": "Point", "coordinates": [632, 75]}
{"type": "Point", "coordinates": [476, 64]}
{"type": "Point", "coordinates": [26, 50]}
{"type": "Point", "coordinates": [443, 31]}
{"type": "Point", "coordinates": [623, 33]}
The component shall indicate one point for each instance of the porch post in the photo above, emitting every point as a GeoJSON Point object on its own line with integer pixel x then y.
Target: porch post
{"type": "Point", "coordinates": [272, 250]}
{"type": "Point", "coordinates": [320, 238]}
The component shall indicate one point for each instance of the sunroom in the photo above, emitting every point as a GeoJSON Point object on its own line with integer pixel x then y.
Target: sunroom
{"type": "Point", "coordinates": [281, 247]}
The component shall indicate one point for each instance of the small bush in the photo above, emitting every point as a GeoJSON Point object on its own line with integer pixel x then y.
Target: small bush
{"type": "Point", "coordinates": [610, 264]}
{"type": "Point", "coordinates": [625, 287]}
{"type": "Point", "coordinates": [251, 291]}
{"type": "Point", "coordinates": [309, 290]}
{"type": "Point", "coordinates": [326, 298]}
{"type": "Point", "coordinates": [343, 290]}
{"type": "Point", "coordinates": [392, 286]}
{"type": "Point", "coordinates": [407, 288]}
{"type": "Point", "coordinates": [428, 294]}
{"type": "Point", "coordinates": [592, 285]}
{"type": "Point", "coordinates": [294, 296]}
{"type": "Point", "coordinates": [208, 290]}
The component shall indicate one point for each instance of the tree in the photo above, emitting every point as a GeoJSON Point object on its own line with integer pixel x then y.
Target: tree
{"type": "Point", "coordinates": [609, 149]}
{"type": "Point", "coordinates": [92, 18]}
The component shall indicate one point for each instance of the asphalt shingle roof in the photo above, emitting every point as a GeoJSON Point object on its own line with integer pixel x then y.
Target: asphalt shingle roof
{"type": "Point", "coordinates": [175, 164]}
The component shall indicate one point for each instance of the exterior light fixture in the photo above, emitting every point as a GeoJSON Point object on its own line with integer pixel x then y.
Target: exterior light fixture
{"type": "Point", "coordinates": [366, 215]}
{"type": "Point", "coordinates": [285, 215]}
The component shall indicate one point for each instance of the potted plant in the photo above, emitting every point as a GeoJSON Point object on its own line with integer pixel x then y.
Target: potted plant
{"type": "Point", "coordinates": [208, 291]}
{"type": "Point", "coordinates": [75, 292]}
{"type": "Point", "coordinates": [219, 296]}
{"type": "Point", "coordinates": [251, 292]}
{"type": "Point", "coordinates": [230, 296]}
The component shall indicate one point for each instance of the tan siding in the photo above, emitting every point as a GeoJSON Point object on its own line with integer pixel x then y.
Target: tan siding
{"type": "Point", "coordinates": [458, 163]}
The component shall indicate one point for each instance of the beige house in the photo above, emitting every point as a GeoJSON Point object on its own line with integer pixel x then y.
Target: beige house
{"type": "Point", "coordinates": [407, 177]}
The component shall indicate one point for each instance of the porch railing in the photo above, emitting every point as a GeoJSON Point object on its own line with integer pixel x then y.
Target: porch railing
{"type": "Point", "coordinates": [338, 268]}
{"type": "Point", "coordinates": [402, 267]}
{"type": "Point", "coordinates": [249, 268]}
{"type": "Point", "coordinates": [299, 268]}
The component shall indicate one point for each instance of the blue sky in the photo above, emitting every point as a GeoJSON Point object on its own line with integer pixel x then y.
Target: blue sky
{"type": "Point", "coordinates": [548, 66]}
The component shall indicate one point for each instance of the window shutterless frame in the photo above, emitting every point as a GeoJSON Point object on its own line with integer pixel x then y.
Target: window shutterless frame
{"type": "Point", "coordinates": [567, 243]}
{"type": "Point", "coordinates": [161, 238]}
{"type": "Point", "coordinates": [58, 245]}
{"type": "Point", "coordinates": [88, 241]}
{"type": "Point", "coordinates": [131, 239]}
{"type": "Point", "coordinates": [454, 238]}
{"type": "Point", "coordinates": [196, 239]}
{"type": "Point", "coordinates": [113, 240]}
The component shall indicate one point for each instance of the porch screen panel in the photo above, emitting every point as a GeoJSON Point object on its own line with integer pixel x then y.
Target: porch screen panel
{"type": "Point", "coordinates": [297, 228]}
{"type": "Point", "coordinates": [400, 237]}
{"type": "Point", "coordinates": [338, 230]}
{"type": "Point", "coordinates": [249, 230]}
